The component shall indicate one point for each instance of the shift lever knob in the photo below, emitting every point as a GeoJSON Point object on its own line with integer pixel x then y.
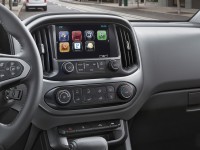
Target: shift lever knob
{"type": "Point", "coordinates": [89, 143]}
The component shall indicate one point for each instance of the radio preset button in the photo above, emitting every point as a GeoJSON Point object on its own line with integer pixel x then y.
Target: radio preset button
{"type": "Point", "coordinates": [81, 67]}
{"type": "Point", "coordinates": [94, 64]}
{"type": "Point", "coordinates": [90, 66]}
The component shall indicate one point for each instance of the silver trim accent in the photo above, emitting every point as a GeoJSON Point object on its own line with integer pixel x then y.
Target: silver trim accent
{"type": "Point", "coordinates": [64, 142]}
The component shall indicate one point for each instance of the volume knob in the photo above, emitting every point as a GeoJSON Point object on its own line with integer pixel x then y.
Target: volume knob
{"type": "Point", "coordinates": [68, 67]}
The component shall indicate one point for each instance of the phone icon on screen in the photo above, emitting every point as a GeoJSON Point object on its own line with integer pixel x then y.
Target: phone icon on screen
{"type": "Point", "coordinates": [101, 35]}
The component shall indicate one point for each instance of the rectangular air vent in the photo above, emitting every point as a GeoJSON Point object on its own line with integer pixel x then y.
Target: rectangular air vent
{"type": "Point", "coordinates": [127, 47]}
{"type": "Point", "coordinates": [42, 39]}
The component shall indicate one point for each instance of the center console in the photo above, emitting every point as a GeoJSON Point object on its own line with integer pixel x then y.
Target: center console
{"type": "Point", "coordinates": [92, 78]}
{"type": "Point", "coordinates": [92, 71]}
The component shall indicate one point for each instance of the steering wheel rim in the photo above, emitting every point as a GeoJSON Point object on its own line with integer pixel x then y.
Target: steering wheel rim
{"type": "Point", "coordinates": [31, 76]}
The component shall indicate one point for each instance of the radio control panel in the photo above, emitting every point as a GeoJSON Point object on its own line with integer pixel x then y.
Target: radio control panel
{"type": "Point", "coordinates": [84, 67]}
{"type": "Point", "coordinates": [88, 69]}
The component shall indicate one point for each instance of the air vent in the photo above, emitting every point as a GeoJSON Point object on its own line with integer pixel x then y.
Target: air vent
{"type": "Point", "coordinates": [42, 39]}
{"type": "Point", "coordinates": [127, 48]}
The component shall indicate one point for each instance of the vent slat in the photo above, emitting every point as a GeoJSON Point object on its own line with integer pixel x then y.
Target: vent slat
{"type": "Point", "coordinates": [46, 50]}
{"type": "Point", "coordinates": [122, 47]}
{"type": "Point", "coordinates": [41, 38]}
{"type": "Point", "coordinates": [127, 47]}
{"type": "Point", "coordinates": [131, 51]}
{"type": "Point", "coordinates": [38, 43]}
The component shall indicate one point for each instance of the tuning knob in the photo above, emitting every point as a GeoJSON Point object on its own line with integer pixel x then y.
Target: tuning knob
{"type": "Point", "coordinates": [126, 91]}
{"type": "Point", "coordinates": [114, 65]}
{"type": "Point", "coordinates": [68, 67]}
{"type": "Point", "coordinates": [63, 97]}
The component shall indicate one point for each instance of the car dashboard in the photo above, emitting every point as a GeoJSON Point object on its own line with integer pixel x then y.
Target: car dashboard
{"type": "Point", "coordinates": [81, 80]}
{"type": "Point", "coordinates": [99, 70]}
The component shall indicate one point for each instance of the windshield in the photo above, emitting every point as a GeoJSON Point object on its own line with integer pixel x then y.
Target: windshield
{"type": "Point", "coordinates": [175, 10]}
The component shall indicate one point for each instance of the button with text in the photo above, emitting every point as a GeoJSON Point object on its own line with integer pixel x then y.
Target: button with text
{"type": "Point", "coordinates": [81, 67]}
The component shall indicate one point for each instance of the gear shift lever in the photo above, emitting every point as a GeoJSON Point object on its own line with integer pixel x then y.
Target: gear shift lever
{"type": "Point", "coordinates": [89, 143]}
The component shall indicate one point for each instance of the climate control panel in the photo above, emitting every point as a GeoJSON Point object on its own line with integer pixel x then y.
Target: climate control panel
{"type": "Point", "coordinates": [90, 96]}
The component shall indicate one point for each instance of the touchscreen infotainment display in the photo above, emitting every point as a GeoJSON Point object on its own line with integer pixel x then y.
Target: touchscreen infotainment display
{"type": "Point", "coordinates": [85, 41]}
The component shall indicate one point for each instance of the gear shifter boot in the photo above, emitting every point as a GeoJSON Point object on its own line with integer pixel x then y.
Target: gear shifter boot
{"type": "Point", "coordinates": [89, 143]}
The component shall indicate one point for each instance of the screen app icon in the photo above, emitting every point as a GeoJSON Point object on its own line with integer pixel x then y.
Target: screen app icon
{"type": "Point", "coordinates": [64, 47]}
{"type": "Point", "coordinates": [76, 35]}
{"type": "Point", "coordinates": [101, 35]}
{"type": "Point", "coordinates": [63, 36]}
{"type": "Point", "coordinates": [77, 46]}
{"type": "Point", "coordinates": [89, 46]}
{"type": "Point", "coordinates": [89, 35]}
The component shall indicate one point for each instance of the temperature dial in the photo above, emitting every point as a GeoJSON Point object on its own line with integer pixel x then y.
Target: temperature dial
{"type": "Point", "coordinates": [126, 91]}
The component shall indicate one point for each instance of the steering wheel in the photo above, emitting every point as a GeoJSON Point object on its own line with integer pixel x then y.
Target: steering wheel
{"type": "Point", "coordinates": [23, 68]}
